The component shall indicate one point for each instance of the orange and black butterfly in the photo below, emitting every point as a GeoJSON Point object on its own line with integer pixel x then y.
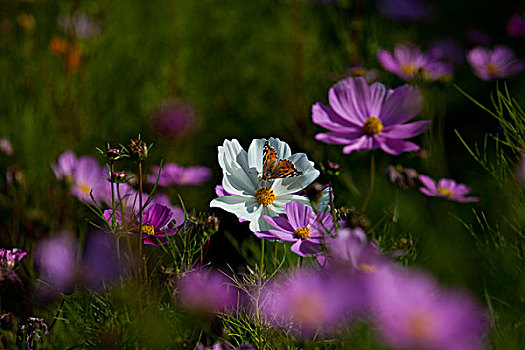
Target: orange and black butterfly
{"type": "Point", "coordinates": [273, 169]}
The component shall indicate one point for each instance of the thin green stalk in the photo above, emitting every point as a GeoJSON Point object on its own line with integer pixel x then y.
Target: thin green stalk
{"type": "Point", "coordinates": [140, 220]}
{"type": "Point", "coordinates": [371, 187]}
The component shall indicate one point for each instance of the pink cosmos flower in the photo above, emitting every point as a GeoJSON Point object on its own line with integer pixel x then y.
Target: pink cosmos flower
{"type": "Point", "coordinates": [174, 174]}
{"type": "Point", "coordinates": [157, 223]}
{"type": "Point", "coordinates": [312, 300]}
{"type": "Point", "coordinates": [206, 291]}
{"type": "Point", "coordinates": [413, 312]}
{"type": "Point", "coordinates": [410, 63]}
{"type": "Point", "coordinates": [500, 63]}
{"type": "Point", "coordinates": [446, 188]}
{"type": "Point", "coordinates": [300, 226]}
{"type": "Point", "coordinates": [88, 175]}
{"type": "Point", "coordinates": [367, 117]}
{"type": "Point", "coordinates": [65, 166]}
{"type": "Point", "coordinates": [175, 119]}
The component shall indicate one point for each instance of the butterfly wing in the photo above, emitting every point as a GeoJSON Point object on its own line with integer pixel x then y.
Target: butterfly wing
{"type": "Point", "coordinates": [269, 161]}
{"type": "Point", "coordinates": [285, 168]}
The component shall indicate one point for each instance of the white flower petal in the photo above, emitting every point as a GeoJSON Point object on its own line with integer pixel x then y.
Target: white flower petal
{"type": "Point", "coordinates": [243, 207]}
{"type": "Point", "coordinates": [229, 152]}
{"type": "Point", "coordinates": [255, 154]}
{"type": "Point", "coordinates": [281, 147]}
{"type": "Point", "coordinates": [260, 224]}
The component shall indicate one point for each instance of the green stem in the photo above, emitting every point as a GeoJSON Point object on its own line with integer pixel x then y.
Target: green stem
{"type": "Point", "coordinates": [140, 220]}
{"type": "Point", "coordinates": [371, 187]}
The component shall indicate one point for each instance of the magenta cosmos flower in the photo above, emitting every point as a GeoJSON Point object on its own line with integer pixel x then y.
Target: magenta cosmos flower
{"type": "Point", "coordinates": [366, 117]}
{"type": "Point", "coordinates": [500, 63]}
{"type": "Point", "coordinates": [446, 188]}
{"type": "Point", "coordinates": [413, 312]}
{"type": "Point", "coordinates": [300, 226]}
{"type": "Point", "coordinates": [65, 167]}
{"type": "Point", "coordinates": [88, 176]}
{"type": "Point", "coordinates": [175, 119]}
{"type": "Point", "coordinates": [207, 291]}
{"type": "Point", "coordinates": [10, 257]}
{"type": "Point", "coordinates": [350, 251]}
{"type": "Point", "coordinates": [158, 223]}
{"type": "Point", "coordinates": [410, 63]}
{"type": "Point", "coordinates": [173, 174]}
{"type": "Point", "coordinates": [311, 300]}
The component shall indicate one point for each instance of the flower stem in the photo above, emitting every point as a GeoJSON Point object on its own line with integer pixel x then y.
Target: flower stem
{"type": "Point", "coordinates": [371, 187]}
{"type": "Point", "coordinates": [140, 219]}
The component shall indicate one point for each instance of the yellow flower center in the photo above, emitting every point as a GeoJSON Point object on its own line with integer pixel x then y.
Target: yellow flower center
{"type": "Point", "coordinates": [492, 69]}
{"type": "Point", "coordinates": [445, 192]}
{"type": "Point", "coordinates": [419, 326]}
{"type": "Point", "coordinates": [148, 229]}
{"type": "Point", "coordinates": [409, 69]}
{"type": "Point", "coordinates": [302, 233]}
{"type": "Point", "coordinates": [85, 189]}
{"type": "Point", "coordinates": [366, 268]}
{"type": "Point", "coordinates": [264, 196]}
{"type": "Point", "coordinates": [372, 126]}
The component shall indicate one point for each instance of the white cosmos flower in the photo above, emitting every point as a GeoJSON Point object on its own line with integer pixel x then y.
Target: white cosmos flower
{"type": "Point", "coordinates": [252, 198]}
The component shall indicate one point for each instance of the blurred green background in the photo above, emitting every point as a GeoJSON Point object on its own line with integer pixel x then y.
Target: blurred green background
{"type": "Point", "coordinates": [252, 69]}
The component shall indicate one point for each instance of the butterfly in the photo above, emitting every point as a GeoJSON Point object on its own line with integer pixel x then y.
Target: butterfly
{"type": "Point", "coordinates": [273, 169]}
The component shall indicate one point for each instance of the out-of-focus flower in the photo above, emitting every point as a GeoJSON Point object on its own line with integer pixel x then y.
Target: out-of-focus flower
{"type": "Point", "coordinates": [410, 63]}
{"type": "Point", "coordinates": [412, 312]}
{"type": "Point", "coordinates": [477, 37]}
{"type": "Point", "coordinates": [447, 50]}
{"type": "Point", "coordinates": [33, 332]}
{"type": "Point", "coordinates": [402, 177]}
{"type": "Point", "coordinates": [350, 250]}
{"type": "Point", "coordinates": [516, 26]}
{"type": "Point", "coordinates": [6, 146]}
{"type": "Point", "coordinates": [206, 291]}
{"type": "Point", "coordinates": [61, 267]}
{"type": "Point", "coordinates": [58, 46]}
{"type": "Point", "coordinates": [10, 257]}
{"type": "Point", "coordinates": [68, 53]}
{"type": "Point", "coordinates": [446, 188]}
{"type": "Point", "coordinates": [56, 260]}
{"type": "Point", "coordinates": [81, 25]}
{"type": "Point", "coordinates": [300, 226]}
{"type": "Point", "coordinates": [500, 63]}
{"type": "Point", "coordinates": [175, 119]}
{"type": "Point", "coordinates": [312, 301]}
{"type": "Point", "coordinates": [363, 117]}
{"type": "Point", "coordinates": [65, 167]}
{"type": "Point", "coordinates": [88, 175]}
{"type": "Point", "coordinates": [172, 174]}
{"type": "Point", "coordinates": [26, 21]}
{"type": "Point", "coordinates": [251, 197]}
{"type": "Point", "coordinates": [406, 10]}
